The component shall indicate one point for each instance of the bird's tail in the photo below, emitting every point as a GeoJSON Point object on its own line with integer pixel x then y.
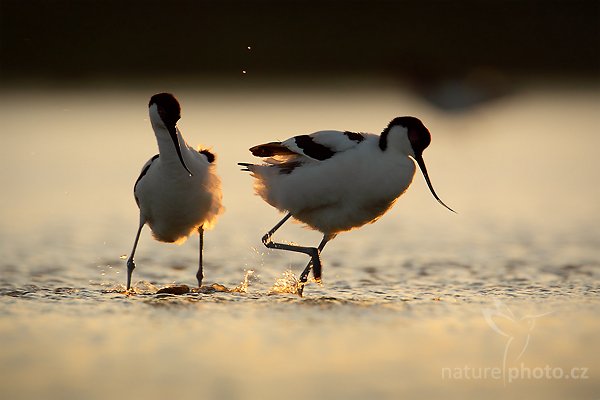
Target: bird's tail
{"type": "Point", "coordinates": [246, 166]}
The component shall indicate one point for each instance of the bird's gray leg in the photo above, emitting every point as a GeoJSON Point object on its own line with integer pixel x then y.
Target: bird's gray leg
{"type": "Point", "coordinates": [200, 274]}
{"type": "Point", "coordinates": [130, 261]}
{"type": "Point", "coordinates": [316, 273]}
{"type": "Point", "coordinates": [313, 252]}
{"type": "Point", "coordinates": [267, 237]}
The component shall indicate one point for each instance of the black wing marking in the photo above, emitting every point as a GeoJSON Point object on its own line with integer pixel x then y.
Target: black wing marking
{"type": "Point", "coordinates": [357, 137]}
{"type": "Point", "coordinates": [313, 149]}
{"type": "Point", "coordinates": [144, 171]}
{"type": "Point", "coordinates": [289, 155]}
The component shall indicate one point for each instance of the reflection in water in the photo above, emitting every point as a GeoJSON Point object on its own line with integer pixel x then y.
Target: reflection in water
{"type": "Point", "coordinates": [400, 299]}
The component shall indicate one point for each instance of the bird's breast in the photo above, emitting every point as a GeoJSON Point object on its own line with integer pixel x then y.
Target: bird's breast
{"type": "Point", "coordinates": [352, 195]}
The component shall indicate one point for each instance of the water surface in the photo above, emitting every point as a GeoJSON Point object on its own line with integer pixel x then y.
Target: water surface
{"type": "Point", "coordinates": [403, 301]}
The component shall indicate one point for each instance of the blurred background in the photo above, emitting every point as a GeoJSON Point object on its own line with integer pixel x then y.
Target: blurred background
{"type": "Point", "coordinates": [510, 91]}
{"type": "Point", "coordinates": [73, 42]}
{"type": "Point", "coordinates": [504, 86]}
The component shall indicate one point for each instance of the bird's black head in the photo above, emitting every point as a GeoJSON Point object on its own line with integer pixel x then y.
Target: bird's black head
{"type": "Point", "coordinates": [168, 108]}
{"type": "Point", "coordinates": [419, 138]}
{"type": "Point", "coordinates": [169, 111]}
{"type": "Point", "coordinates": [417, 133]}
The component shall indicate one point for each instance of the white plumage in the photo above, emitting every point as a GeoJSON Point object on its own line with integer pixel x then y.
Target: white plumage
{"type": "Point", "coordinates": [178, 191]}
{"type": "Point", "coordinates": [335, 181]}
{"type": "Point", "coordinates": [327, 195]}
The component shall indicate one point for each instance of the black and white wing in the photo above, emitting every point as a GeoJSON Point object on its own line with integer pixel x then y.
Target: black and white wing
{"type": "Point", "coordinates": [318, 146]}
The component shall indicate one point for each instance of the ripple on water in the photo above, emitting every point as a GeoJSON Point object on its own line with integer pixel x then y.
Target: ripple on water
{"type": "Point", "coordinates": [411, 285]}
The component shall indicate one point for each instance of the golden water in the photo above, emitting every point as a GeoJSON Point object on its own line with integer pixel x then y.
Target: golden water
{"type": "Point", "coordinates": [402, 301]}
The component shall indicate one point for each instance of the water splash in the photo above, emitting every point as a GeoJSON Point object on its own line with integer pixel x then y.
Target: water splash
{"type": "Point", "coordinates": [144, 287]}
{"type": "Point", "coordinates": [115, 288]}
{"type": "Point", "coordinates": [288, 283]}
{"type": "Point", "coordinates": [243, 286]}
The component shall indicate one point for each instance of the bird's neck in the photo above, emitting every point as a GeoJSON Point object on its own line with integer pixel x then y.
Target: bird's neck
{"type": "Point", "coordinates": [166, 145]}
{"type": "Point", "coordinates": [395, 141]}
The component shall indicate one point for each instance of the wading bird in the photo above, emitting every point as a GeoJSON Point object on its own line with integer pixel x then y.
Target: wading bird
{"type": "Point", "coordinates": [178, 191]}
{"type": "Point", "coordinates": [335, 181]}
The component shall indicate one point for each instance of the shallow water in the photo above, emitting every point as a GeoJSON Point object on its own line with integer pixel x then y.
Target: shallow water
{"type": "Point", "coordinates": [402, 311]}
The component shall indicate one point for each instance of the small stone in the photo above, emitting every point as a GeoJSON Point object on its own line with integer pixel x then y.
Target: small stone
{"type": "Point", "coordinates": [175, 289]}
